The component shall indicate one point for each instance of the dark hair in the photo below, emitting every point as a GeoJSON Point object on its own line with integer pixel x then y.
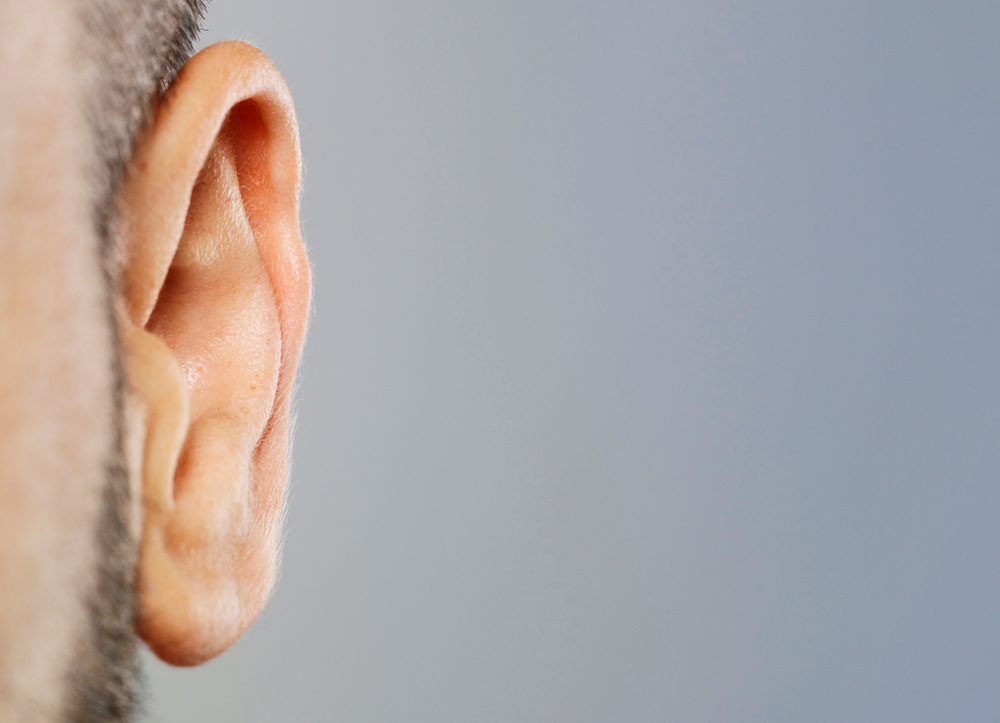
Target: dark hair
{"type": "Point", "coordinates": [131, 50]}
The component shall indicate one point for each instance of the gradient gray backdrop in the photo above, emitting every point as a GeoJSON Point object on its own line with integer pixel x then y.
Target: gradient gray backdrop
{"type": "Point", "coordinates": [654, 373]}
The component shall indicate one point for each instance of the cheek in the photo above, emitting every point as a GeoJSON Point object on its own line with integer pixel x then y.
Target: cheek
{"type": "Point", "coordinates": [57, 414]}
{"type": "Point", "coordinates": [57, 434]}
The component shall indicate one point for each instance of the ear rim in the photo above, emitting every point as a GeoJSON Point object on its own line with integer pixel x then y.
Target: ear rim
{"type": "Point", "coordinates": [185, 126]}
{"type": "Point", "coordinates": [155, 201]}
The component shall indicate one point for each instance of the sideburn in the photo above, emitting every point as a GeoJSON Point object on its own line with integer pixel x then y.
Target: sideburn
{"type": "Point", "coordinates": [105, 679]}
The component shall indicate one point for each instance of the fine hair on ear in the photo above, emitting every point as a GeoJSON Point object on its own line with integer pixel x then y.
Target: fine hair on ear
{"type": "Point", "coordinates": [216, 290]}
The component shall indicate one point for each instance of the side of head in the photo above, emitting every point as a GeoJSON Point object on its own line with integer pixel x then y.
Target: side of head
{"type": "Point", "coordinates": [154, 291]}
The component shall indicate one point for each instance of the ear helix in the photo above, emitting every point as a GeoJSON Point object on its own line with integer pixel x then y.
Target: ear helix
{"type": "Point", "coordinates": [216, 276]}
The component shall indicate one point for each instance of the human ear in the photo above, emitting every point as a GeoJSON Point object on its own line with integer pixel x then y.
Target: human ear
{"type": "Point", "coordinates": [215, 290]}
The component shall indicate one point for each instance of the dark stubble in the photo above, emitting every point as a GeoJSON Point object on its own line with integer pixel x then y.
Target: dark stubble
{"type": "Point", "coordinates": [105, 680]}
{"type": "Point", "coordinates": [135, 48]}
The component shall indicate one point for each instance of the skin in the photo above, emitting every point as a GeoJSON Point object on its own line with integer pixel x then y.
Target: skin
{"type": "Point", "coordinates": [208, 320]}
{"type": "Point", "coordinates": [59, 381]}
{"type": "Point", "coordinates": [216, 294]}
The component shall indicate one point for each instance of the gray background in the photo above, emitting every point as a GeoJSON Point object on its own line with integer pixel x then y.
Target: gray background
{"type": "Point", "coordinates": [654, 373]}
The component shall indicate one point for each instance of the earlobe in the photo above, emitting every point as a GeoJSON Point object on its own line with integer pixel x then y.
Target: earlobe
{"type": "Point", "coordinates": [215, 299]}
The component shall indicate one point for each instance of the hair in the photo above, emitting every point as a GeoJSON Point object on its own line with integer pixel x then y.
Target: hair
{"type": "Point", "coordinates": [130, 51]}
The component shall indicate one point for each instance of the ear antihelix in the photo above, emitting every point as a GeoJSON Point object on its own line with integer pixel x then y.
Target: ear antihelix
{"type": "Point", "coordinates": [217, 314]}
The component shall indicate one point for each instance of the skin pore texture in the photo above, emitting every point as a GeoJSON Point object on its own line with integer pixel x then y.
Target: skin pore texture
{"type": "Point", "coordinates": [154, 292]}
